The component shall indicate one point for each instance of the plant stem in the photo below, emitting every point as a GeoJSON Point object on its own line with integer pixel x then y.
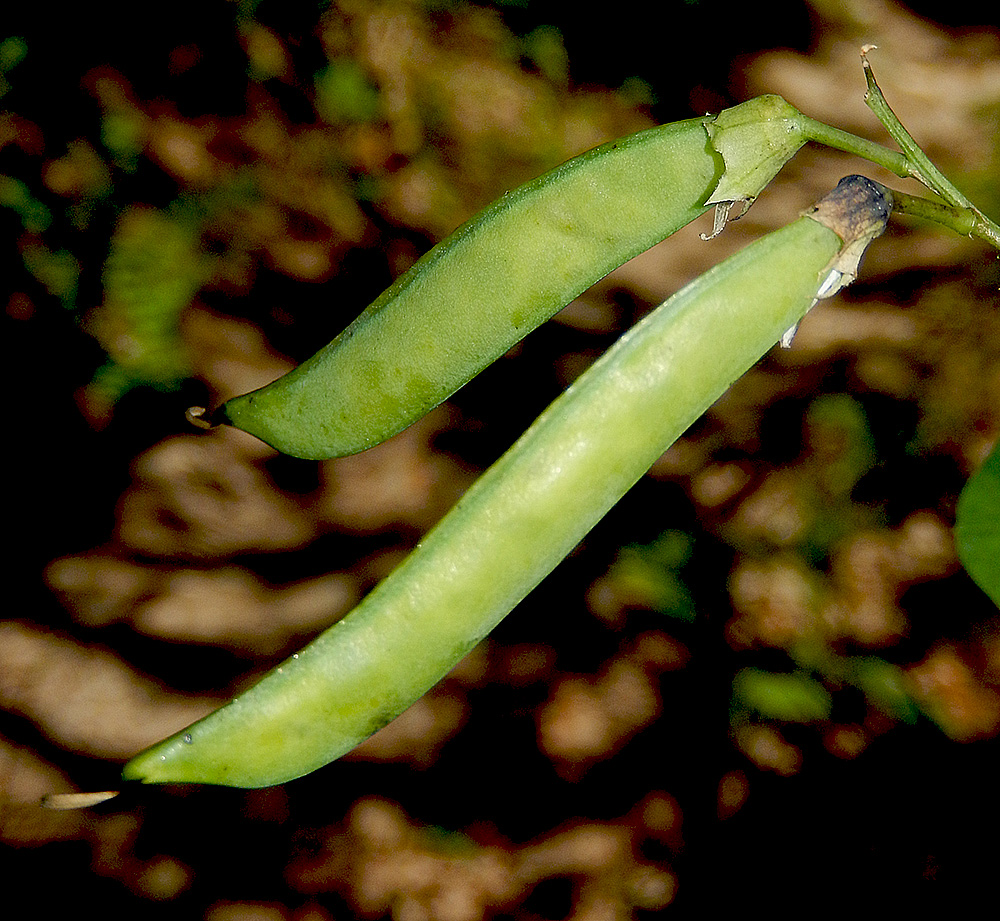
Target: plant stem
{"type": "Point", "coordinates": [924, 170]}
{"type": "Point", "coordinates": [967, 221]}
{"type": "Point", "coordinates": [962, 213]}
{"type": "Point", "coordinates": [959, 214]}
{"type": "Point", "coordinates": [838, 139]}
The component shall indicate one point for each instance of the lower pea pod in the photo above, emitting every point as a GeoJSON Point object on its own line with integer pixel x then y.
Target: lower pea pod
{"type": "Point", "coordinates": [528, 510]}
{"type": "Point", "coordinates": [509, 269]}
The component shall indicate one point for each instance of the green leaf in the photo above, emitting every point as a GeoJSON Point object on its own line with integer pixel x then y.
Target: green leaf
{"type": "Point", "coordinates": [344, 94]}
{"type": "Point", "coordinates": [977, 526]}
{"type": "Point", "coordinates": [884, 684]}
{"type": "Point", "coordinates": [792, 698]}
{"type": "Point", "coordinates": [650, 575]}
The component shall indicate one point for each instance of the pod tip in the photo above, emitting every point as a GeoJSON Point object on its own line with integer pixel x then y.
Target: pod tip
{"type": "Point", "coordinates": [196, 416]}
{"type": "Point", "coordinates": [63, 801]}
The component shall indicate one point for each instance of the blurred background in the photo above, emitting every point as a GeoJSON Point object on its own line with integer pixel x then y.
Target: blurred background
{"type": "Point", "coordinates": [763, 678]}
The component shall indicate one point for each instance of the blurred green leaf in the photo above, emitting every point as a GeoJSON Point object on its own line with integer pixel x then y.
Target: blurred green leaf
{"type": "Point", "coordinates": [792, 698]}
{"type": "Point", "coordinates": [649, 575]}
{"type": "Point", "coordinates": [344, 94]}
{"type": "Point", "coordinates": [977, 526]}
{"type": "Point", "coordinates": [58, 271]}
{"type": "Point", "coordinates": [12, 51]}
{"type": "Point", "coordinates": [884, 685]}
{"type": "Point", "coordinates": [14, 194]}
{"type": "Point", "coordinates": [123, 134]}
{"type": "Point", "coordinates": [544, 47]}
{"type": "Point", "coordinates": [841, 441]}
{"type": "Point", "coordinates": [153, 271]}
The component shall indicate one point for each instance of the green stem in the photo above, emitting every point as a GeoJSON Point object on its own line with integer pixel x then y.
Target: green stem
{"type": "Point", "coordinates": [980, 226]}
{"type": "Point", "coordinates": [839, 139]}
{"type": "Point", "coordinates": [959, 214]}
{"type": "Point", "coordinates": [924, 170]}
{"type": "Point", "coordinates": [967, 221]}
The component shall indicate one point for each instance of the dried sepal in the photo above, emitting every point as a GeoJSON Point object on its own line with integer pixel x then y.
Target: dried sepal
{"type": "Point", "coordinates": [857, 210]}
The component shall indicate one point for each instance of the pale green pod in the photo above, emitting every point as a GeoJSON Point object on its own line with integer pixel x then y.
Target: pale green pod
{"type": "Point", "coordinates": [478, 292]}
{"type": "Point", "coordinates": [524, 514]}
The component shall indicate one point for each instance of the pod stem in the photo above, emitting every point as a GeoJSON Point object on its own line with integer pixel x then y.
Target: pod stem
{"type": "Point", "coordinates": [910, 162]}
{"type": "Point", "coordinates": [892, 160]}
{"type": "Point", "coordinates": [967, 221]}
{"type": "Point", "coordinates": [922, 168]}
{"type": "Point", "coordinates": [979, 225]}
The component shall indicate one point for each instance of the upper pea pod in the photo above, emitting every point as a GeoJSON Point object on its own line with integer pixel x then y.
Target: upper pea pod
{"type": "Point", "coordinates": [509, 269]}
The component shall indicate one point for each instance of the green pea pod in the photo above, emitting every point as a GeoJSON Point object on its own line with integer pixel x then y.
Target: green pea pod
{"type": "Point", "coordinates": [527, 511]}
{"type": "Point", "coordinates": [481, 290]}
